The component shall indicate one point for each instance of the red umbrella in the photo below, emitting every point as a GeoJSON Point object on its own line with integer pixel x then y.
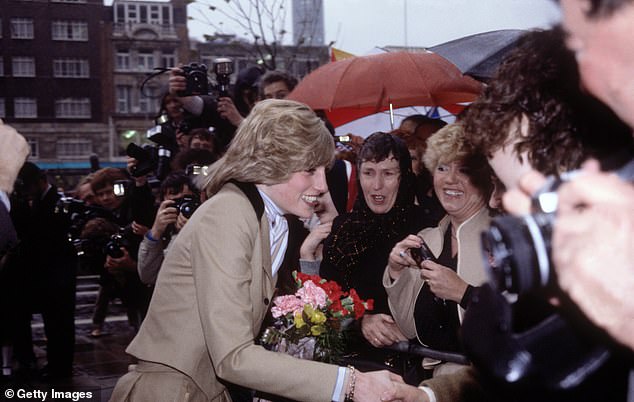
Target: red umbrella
{"type": "Point", "coordinates": [358, 86]}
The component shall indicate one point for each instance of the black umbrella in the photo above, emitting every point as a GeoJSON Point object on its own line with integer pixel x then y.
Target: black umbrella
{"type": "Point", "coordinates": [479, 55]}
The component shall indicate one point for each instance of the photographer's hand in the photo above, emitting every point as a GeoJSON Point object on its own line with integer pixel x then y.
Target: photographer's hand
{"type": "Point", "coordinates": [593, 249]}
{"type": "Point", "coordinates": [177, 84]}
{"type": "Point", "coordinates": [181, 221]}
{"type": "Point", "coordinates": [125, 263]}
{"type": "Point", "coordinates": [405, 393]}
{"type": "Point", "coordinates": [165, 216]}
{"type": "Point", "coordinates": [228, 111]}
{"type": "Point", "coordinates": [517, 201]}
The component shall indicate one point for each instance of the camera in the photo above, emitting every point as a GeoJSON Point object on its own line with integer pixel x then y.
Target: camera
{"type": "Point", "coordinates": [517, 250]}
{"type": "Point", "coordinates": [150, 159]}
{"type": "Point", "coordinates": [197, 82]}
{"type": "Point", "coordinates": [421, 253]}
{"type": "Point", "coordinates": [116, 242]}
{"type": "Point", "coordinates": [79, 213]}
{"type": "Point", "coordinates": [186, 205]}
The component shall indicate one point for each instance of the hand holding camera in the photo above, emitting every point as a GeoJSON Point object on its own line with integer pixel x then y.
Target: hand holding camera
{"type": "Point", "coordinates": [400, 257]}
{"type": "Point", "coordinates": [167, 215]}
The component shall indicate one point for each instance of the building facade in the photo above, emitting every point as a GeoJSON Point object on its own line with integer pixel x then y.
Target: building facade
{"type": "Point", "coordinates": [51, 76]}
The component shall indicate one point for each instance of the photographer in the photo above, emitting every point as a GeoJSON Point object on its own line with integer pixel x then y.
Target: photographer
{"type": "Point", "coordinates": [224, 113]}
{"type": "Point", "coordinates": [179, 200]}
{"type": "Point", "coordinates": [599, 33]}
{"type": "Point", "coordinates": [130, 211]}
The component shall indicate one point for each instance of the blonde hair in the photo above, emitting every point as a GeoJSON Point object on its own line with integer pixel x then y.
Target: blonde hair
{"type": "Point", "coordinates": [446, 145]}
{"type": "Point", "coordinates": [450, 144]}
{"type": "Point", "coordinates": [277, 139]}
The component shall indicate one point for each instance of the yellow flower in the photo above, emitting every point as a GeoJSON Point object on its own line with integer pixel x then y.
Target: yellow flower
{"type": "Point", "coordinates": [317, 330]}
{"type": "Point", "coordinates": [315, 316]}
{"type": "Point", "coordinates": [299, 320]}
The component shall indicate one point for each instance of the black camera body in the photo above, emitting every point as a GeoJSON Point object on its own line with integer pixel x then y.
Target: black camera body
{"type": "Point", "coordinates": [197, 82]}
{"type": "Point", "coordinates": [116, 242]}
{"type": "Point", "coordinates": [79, 213]}
{"type": "Point", "coordinates": [517, 249]}
{"type": "Point", "coordinates": [421, 253]}
{"type": "Point", "coordinates": [150, 159]}
{"type": "Point", "coordinates": [186, 205]}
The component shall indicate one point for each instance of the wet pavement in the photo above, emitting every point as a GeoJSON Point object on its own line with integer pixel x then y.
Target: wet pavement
{"type": "Point", "coordinates": [98, 362]}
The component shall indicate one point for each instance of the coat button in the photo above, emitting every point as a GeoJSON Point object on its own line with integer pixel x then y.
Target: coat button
{"type": "Point", "coordinates": [266, 301]}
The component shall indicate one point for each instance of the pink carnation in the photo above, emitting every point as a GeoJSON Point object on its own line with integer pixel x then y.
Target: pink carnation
{"type": "Point", "coordinates": [313, 295]}
{"type": "Point", "coordinates": [286, 304]}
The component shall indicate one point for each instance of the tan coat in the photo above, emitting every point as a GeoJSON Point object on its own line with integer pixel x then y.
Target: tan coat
{"type": "Point", "coordinates": [403, 292]}
{"type": "Point", "coordinates": [211, 296]}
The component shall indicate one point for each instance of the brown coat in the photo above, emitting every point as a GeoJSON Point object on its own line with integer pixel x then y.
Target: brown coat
{"type": "Point", "coordinates": [211, 297]}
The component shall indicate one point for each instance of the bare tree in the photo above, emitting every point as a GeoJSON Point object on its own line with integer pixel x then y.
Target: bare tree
{"type": "Point", "coordinates": [264, 22]}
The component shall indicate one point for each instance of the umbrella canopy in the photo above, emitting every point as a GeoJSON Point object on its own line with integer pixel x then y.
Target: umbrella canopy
{"type": "Point", "coordinates": [479, 55]}
{"type": "Point", "coordinates": [364, 85]}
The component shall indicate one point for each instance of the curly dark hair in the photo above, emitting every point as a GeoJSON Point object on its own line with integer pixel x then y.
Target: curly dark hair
{"type": "Point", "coordinates": [539, 80]}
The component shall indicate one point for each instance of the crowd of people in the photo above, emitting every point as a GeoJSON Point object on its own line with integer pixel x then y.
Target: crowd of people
{"type": "Point", "coordinates": [258, 188]}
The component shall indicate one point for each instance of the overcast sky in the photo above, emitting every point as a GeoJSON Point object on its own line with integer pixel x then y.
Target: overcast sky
{"type": "Point", "coordinates": [357, 26]}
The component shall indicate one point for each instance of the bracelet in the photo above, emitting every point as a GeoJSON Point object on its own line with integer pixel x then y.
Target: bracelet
{"type": "Point", "coordinates": [148, 235]}
{"type": "Point", "coordinates": [353, 379]}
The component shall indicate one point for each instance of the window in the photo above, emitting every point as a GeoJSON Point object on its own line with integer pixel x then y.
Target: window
{"type": "Point", "coordinates": [143, 13]}
{"type": "Point", "coordinates": [1, 65]}
{"type": "Point", "coordinates": [23, 66]}
{"type": "Point", "coordinates": [70, 30]}
{"type": "Point", "coordinates": [145, 60]}
{"type": "Point", "coordinates": [148, 100]}
{"type": "Point", "coordinates": [155, 15]}
{"type": "Point", "coordinates": [167, 15]}
{"type": "Point", "coordinates": [35, 148]}
{"type": "Point", "coordinates": [3, 112]}
{"type": "Point", "coordinates": [120, 14]}
{"type": "Point", "coordinates": [0, 27]}
{"type": "Point", "coordinates": [71, 68]}
{"type": "Point", "coordinates": [25, 108]}
{"type": "Point", "coordinates": [72, 108]}
{"type": "Point", "coordinates": [21, 28]}
{"type": "Point", "coordinates": [123, 98]}
{"type": "Point", "coordinates": [74, 148]}
{"type": "Point", "coordinates": [123, 61]}
{"type": "Point", "coordinates": [132, 13]}
{"type": "Point", "coordinates": [168, 60]}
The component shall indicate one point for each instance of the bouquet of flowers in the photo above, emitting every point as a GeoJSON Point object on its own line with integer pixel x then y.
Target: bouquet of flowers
{"type": "Point", "coordinates": [310, 324]}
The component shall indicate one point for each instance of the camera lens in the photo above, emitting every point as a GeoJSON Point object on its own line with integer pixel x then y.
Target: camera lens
{"type": "Point", "coordinates": [517, 252]}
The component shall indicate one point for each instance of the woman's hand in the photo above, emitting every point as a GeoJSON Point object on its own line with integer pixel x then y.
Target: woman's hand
{"type": "Point", "coordinates": [165, 216]}
{"type": "Point", "coordinates": [381, 330]}
{"type": "Point", "coordinates": [444, 282]}
{"type": "Point", "coordinates": [310, 247]}
{"type": "Point", "coordinates": [400, 258]}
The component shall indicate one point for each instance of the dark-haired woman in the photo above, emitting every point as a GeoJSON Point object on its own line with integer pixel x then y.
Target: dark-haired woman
{"type": "Point", "coordinates": [357, 249]}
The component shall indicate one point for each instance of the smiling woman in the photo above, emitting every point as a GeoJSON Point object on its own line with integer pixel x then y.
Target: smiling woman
{"type": "Point", "coordinates": [428, 298]}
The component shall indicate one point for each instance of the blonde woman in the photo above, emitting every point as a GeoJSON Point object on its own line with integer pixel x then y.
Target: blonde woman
{"type": "Point", "coordinates": [219, 276]}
